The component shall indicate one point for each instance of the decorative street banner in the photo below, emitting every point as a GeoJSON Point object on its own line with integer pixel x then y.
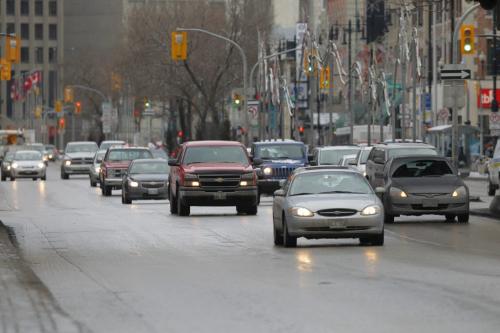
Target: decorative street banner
{"type": "Point", "coordinates": [300, 31]}
{"type": "Point", "coordinates": [375, 20]}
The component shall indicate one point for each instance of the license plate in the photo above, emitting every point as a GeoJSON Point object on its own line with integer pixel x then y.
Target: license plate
{"type": "Point", "coordinates": [153, 191]}
{"type": "Point", "coordinates": [220, 196]}
{"type": "Point", "coordinates": [337, 224]}
{"type": "Point", "coordinates": [430, 203]}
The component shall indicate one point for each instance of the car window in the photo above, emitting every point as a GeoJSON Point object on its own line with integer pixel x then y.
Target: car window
{"type": "Point", "coordinates": [150, 168]}
{"type": "Point", "coordinates": [128, 154]}
{"type": "Point", "coordinates": [395, 152]}
{"type": "Point", "coordinates": [222, 154]}
{"type": "Point", "coordinates": [497, 150]}
{"type": "Point", "coordinates": [329, 182]}
{"type": "Point", "coordinates": [332, 156]}
{"type": "Point", "coordinates": [378, 153]}
{"type": "Point", "coordinates": [422, 168]}
{"type": "Point", "coordinates": [81, 148]}
{"type": "Point", "coordinates": [363, 156]}
{"type": "Point", "coordinates": [283, 151]}
{"type": "Point", "coordinates": [28, 156]}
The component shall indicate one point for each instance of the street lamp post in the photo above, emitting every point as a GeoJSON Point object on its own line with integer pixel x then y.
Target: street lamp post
{"type": "Point", "coordinates": [245, 64]}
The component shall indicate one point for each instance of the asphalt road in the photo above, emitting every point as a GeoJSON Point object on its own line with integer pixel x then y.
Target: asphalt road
{"type": "Point", "coordinates": [136, 268]}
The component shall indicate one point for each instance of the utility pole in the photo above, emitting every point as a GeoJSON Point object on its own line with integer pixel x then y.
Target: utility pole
{"type": "Point", "coordinates": [414, 88]}
{"type": "Point", "coordinates": [350, 92]}
{"type": "Point", "coordinates": [311, 79]}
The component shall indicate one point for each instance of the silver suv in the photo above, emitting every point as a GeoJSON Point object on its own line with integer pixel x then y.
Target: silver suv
{"type": "Point", "coordinates": [78, 158]}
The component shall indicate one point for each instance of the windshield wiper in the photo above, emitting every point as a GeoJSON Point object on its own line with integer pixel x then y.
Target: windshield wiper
{"type": "Point", "coordinates": [303, 193]}
{"type": "Point", "coordinates": [347, 192]}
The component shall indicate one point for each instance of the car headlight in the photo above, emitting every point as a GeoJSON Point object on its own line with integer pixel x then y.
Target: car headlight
{"type": "Point", "coordinates": [247, 179]}
{"type": "Point", "coordinates": [364, 173]}
{"type": "Point", "coordinates": [370, 210]}
{"type": "Point", "coordinates": [132, 183]}
{"type": "Point", "coordinates": [41, 165]}
{"type": "Point", "coordinates": [14, 165]}
{"type": "Point", "coordinates": [301, 212]}
{"type": "Point", "coordinates": [267, 171]}
{"type": "Point", "coordinates": [8, 167]}
{"type": "Point", "coordinates": [460, 192]}
{"type": "Point", "coordinates": [67, 163]}
{"type": "Point", "coordinates": [396, 192]}
{"type": "Point", "coordinates": [51, 156]}
{"type": "Point", "coordinates": [191, 180]}
{"type": "Point", "coordinates": [97, 169]}
{"type": "Point", "coordinates": [243, 183]}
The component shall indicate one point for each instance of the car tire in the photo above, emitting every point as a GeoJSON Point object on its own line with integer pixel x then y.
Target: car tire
{"type": "Point", "coordinates": [182, 208]}
{"type": "Point", "coordinates": [92, 183]}
{"type": "Point", "coordinates": [288, 241]}
{"type": "Point", "coordinates": [34, 179]}
{"type": "Point", "coordinates": [106, 190]}
{"type": "Point", "coordinates": [125, 199]}
{"type": "Point", "coordinates": [4, 178]}
{"type": "Point", "coordinates": [450, 218]}
{"type": "Point", "coordinates": [377, 240]}
{"type": "Point", "coordinates": [463, 218]}
{"type": "Point", "coordinates": [388, 218]}
{"type": "Point", "coordinates": [278, 237]}
{"type": "Point", "coordinates": [44, 178]}
{"type": "Point", "coordinates": [173, 203]}
{"type": "Point", "coordinates": [64, 175]}
{"type": "Point", "coordinates": [12, 179]}
{"type": "Point", "coordinates": [491, 189]}
{"type": "Point", "coordinates": [248, 210]}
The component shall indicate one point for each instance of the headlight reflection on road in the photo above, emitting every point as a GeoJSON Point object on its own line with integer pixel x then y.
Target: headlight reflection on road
{"type": "Point", "coordinates": [371, 258]}
{"type": "Point", "coordinates": [304, 261]}
{"type": "Point", "coordinates": [41, 189]}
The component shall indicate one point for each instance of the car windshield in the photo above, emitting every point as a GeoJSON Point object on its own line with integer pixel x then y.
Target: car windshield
{"type": "Point", "coordinates": [106, 145]}
{"type": "Point", "coordinates": [150, 168]}
{"type": "Point", "coordinates": [99, 157]}
{"type": "Point", "coordinates": [226, 154]}
{"type": "Point", "coordinates": [28, 156]}
{"type": "Point", "coordinates": [9, 157]}
{"type": "Point", "coordinates": [364, 155]}
{"type": "Point", "coordinates": [128, 154]}
{"type": "Point", "coordinates": [395, 152]}
{"type": "Point", "coordinates": [159, 153]}
{"type": "Point", "coordinates": [81, 148]}
{"type": "Point", "coordinates": [422, 168]}
{"type": "Point", "coordinates": [334, 156]}
{"type": "Point", "coordinates": [283, 151]}
{"type": "Point", "coordinates": [39, 148]}
{"type": "Point", "coordinates": [329, 182]}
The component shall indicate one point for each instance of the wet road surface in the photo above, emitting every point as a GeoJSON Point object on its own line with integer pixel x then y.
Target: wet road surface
{"type": "Point", "coordinates": [136, 268]}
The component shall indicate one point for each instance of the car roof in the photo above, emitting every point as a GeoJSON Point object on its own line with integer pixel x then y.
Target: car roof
{"type": "Point", "coordinates": [345, 147]}
{"type": "Point", "coordinates": [404, 145]}
{"type": "Point", "coordinates": [325, 168]}
{"type": "Point", "coordinates": [273, 142]}
{"type": "Point", "coordinates": [81, 142]}
{"type": "Point", "coordinates": [28, 151]}
{"type": "Point", "coordinates": [127, 148]}
{"type": "Point", "coordinates": [112, 141]}
{"type": "Point", "coordinates": [209, 143]}
{"type": "Point", "coordinates": [149, 160]}
{"type": "Point", "coordinates": [420, 157]}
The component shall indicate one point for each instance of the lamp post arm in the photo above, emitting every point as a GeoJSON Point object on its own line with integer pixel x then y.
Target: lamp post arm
{"type": "Point", "coordinates": [98, 92]}
{"type": "Point", "coordinates": [265, 58]}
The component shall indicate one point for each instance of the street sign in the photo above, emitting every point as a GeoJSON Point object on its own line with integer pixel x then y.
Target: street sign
{"type": "Point", "coordinates": [454, 94]}
{"type": "Point", "coordinates": [106, 117]}
{"type": "Point", "coordinates": [455, 72]}
{"type": "Point", "coordinates": [494, 121]}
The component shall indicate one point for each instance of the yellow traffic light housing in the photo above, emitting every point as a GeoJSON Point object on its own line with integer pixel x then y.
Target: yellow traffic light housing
{"type": "Point", "coordinates": [59, 106]}
{"type": "Point", "coordinates": [324, 80]}
{"type": "Point", "coordinates": [179, 45]}
{"type": "Point", "coordinates": [5, 70]}
{"type": "Point", "coordinates": [467, 39]}
{"type": "Point", "coordinates": [78, 107]}
{"type": "Point", "coordinates": [13, 49]}
{"type": "Point", "coordinates": [68, 95]}
{"type": "Point", "coordinates": [237, 99]}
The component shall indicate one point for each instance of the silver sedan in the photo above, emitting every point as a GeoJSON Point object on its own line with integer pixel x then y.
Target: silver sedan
{"type": "Point", "coordinates": [334, 202]}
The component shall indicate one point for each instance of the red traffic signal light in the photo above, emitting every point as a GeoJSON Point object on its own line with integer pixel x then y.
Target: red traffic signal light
{"type": "Point", "coordinates": [62, 123]}
{"type": "Point", "coordinates": [180, 134]}
{"type": "Point", "coordinates": [78, 107]}
{"type": "Point", "coordinates": [301, 129]}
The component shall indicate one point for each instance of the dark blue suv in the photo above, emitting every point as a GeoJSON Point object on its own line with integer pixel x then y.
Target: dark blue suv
{"type": "Point", "coordinates": [276, 160]}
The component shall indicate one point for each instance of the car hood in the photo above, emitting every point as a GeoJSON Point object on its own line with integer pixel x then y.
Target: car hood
{"type": "Point", "coordinates": [80, 155]}
{"type": "Point", "coordinates": [117, 165]}
{"type": "Point", "coordinates": [150, 177]}
{"type": "Point", "coordinates": [218, 168]}
{"type": "Point", "coordinates": [331, 201]}
{"type": "Point", "coordinates": [428, 184]}
{"type": "Point", "coordinates": [28, 163]}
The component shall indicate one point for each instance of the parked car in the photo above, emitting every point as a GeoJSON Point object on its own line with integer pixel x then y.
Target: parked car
{"type": "Point", "coordinates": [115, 164]}
{"type": "Point", "coordinates": [275, 160]}
{"type": "Point", "coordinates": [95, 169]}
{"type": "Point", "coordinates": [321, 202]}
{"type": "Point", "coordinates": [380, 154]}
{"type": "Point", "coordinates": [212, 173]}
{"type": "Point", "coordinates": [7, 165]}
{"type": "Point", "coordinates": [146, 180]}
{"type": "Point", "coordinates": [332, 155]}
{"type": "Point", "coordinates": [52, 152]}
{"type": "Point", "coordinates": [78, 158]}
{"type": "Point", "coordinates": [494, 171]}
{"type": "Point", "coordinates": [28, 164]}
{"type": "Point", "coordinates": [428, 184]}
{"type": "Point", "coordinates": [111, 143]}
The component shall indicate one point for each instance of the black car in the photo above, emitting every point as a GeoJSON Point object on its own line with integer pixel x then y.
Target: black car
{"type": "Point", "coordinates": [146, 179]}
{"type": "Point", "coordinates": [7, 164]}
{"type": "Point", "coordinates": [418, 185]}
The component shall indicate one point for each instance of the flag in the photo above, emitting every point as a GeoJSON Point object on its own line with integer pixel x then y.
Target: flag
{"type": "Point", "coordinates": [13, 90]}
{"type": "Point", "coordinates": [27, 83]}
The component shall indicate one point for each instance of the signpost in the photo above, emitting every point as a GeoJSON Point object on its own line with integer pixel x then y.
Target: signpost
{"type": "Point", "coordinates": [106, 117]}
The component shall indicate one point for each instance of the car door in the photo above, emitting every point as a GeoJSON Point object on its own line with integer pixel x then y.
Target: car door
{"type": "Point", "coordinates": [370, 167]}
{"type": "Point", "coordinates": [378, 165]}
{"type": "Point", "coordinates": [278, 205]}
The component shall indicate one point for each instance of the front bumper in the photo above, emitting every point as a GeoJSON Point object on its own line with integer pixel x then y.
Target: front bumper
{"type": "Point", "coordinates": [415, 205]}
{"type": "Point", "coordinates": [5, 172]}
{"type": "Point", "coordinates": [76, 169]}
{"type": "Point", "coordinates": [138, 193]}
{"type": "Point", "coordinates": [203, 197]}
{"type": "Point", "coordinates": [27, 173]}
{"type": "Point", "coordinates": [114, 182]}
{"type": "Point", "coordinates": [318, 226]}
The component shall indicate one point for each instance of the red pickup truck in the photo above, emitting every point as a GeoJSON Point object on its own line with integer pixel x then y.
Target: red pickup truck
{"type": "Point", "coordinates": [115, 164]}
{"type": "Point", "coordinates": [212, 173]}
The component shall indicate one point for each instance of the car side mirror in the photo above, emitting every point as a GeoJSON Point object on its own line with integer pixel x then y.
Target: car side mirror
{"type": "Point", "coordinates": [279, 193]}
{"type": "Point", "coordinates": [379, 190]}
{"type": "Point", "coordinates": [173, 162]}
{"type": "Point", "coordinates": [257, 161]}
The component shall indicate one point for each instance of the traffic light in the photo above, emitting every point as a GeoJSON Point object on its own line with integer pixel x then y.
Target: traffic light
{"type": "Point", "coordinates": [180, 134]}
{"type": "Point", "coordinates": [68, 95]}
{"type": "Point", "coordinates": [38, 112]}
{"type": "Point", "coordinates": [59, 106]}
{"type": "Point", "coordinates": [5, 70]}
{"type": "Point", "coordinates": [236, 99]}
{"type": "Point", "coordinates": [301, 130]}
{"type": "Point", "coordinates": [62, 123]}
{"type": "Point", "coordinates": [488, 4]}
{"type": "Point", "coordinates": [78, 107]}
{"type": "Point", "coordinates": [467, 39]}
{"type": "Point", "coordinates": [179, 45]}
{"type": "Point", "coordinates": [13, 49]}
{"type": "Point", "coordinates": [147, 104]}
{"type": "Point", "coordinates": [324, 80]}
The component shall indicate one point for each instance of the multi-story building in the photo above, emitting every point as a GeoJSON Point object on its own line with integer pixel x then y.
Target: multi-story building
{"type": "Point", "coordinates": [40, 25]}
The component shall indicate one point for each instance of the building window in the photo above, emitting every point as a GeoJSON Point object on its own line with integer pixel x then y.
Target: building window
{"type": "Point", "coordinates": [10, 7]}
{"type": "Point", "coordinates": [39, 8]}
{"type": "Point", "coordinates": [25, 55]}
{"type": "Point", "coordinates": [39, 55]}
{"type": "Point", "coordinates": [53, 8]}
{"type": "Point", "coordinates": [25, 31]}
{"type": "Point", "coordinates": [53, 31]}
{"type": "Point", "coordinates": [25, 8]}
{"type": "Point", "coordinates": [11, 28]}
{"type": "Point", "coordinates": [38, 31]}
{"type": "Point", "coordinates": [52, 55]}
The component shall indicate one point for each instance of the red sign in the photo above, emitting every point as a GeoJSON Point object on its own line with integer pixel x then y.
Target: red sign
{"type": "Point", "coordinates": [486, 97]}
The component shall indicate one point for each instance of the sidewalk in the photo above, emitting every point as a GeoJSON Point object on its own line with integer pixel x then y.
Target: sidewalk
{"type": "Point", "coordinates": [481, 204]}
{"type": "Point", "coordinates": [26, 305]}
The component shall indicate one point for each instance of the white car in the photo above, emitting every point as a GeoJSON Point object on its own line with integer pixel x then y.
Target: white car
{"type": "Point", "coordinates": [494, 171]}
{"type": "Point", "coordinates": [28, 164]}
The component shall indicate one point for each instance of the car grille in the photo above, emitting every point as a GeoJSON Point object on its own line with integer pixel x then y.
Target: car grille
{"type": "Point", "coordinates": [80, 161]}
{"type": "Point", "coordinates": [421, 207]}
{"type": "Point", "coordinates": [116, 173]}
{"type": "Point", "coordinates": [429, 195]}
{"type": "Point", "coordinates": [222, 180]}
{"type": "Point", "coordinates": [152, 184]}
{"type": "Point", "coordinates": [337, 212]}
{"type": "Point", "coordinates": [281, 172]}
